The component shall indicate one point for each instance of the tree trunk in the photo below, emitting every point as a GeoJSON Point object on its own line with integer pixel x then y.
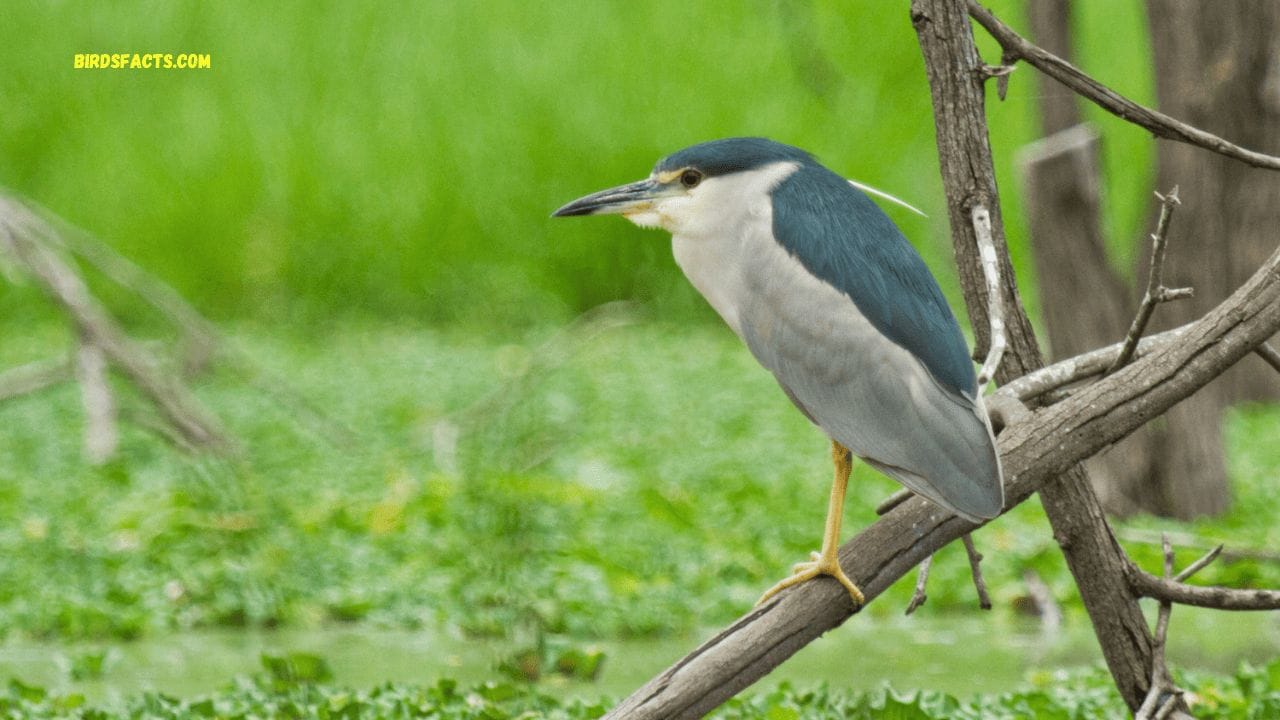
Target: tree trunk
{"type": "Point", "coordinates": [1217, 67]}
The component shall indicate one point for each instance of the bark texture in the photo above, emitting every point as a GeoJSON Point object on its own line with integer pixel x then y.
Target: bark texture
{"type": "Point", "coordinates": [1217, 66]}
{"type": "Point", "coordinates": [1093, 555]}
{"type": "Point", "coordinates": [1034, 450]}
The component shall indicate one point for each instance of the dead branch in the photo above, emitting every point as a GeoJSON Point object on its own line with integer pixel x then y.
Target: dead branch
{"type": "Point", "coordinates": [995, 296]}
{"type": "Point", "coordinates": [1033, 452]}
{"type": "Point", "coordinates": [1269, 354]}
{"type": "Point", "coordinates": [1145, 584]}
{"type": "Point", "coordinates": [1156, 291]}
{"type": "Point", "coordinates": [893, 501]}
{"type": "Point", "coordinates": [35, 376]}
{"type": "Point", "coordinates": [101, 436]}
{"type": "Point", "coordinates": [975, 569]}
{"type": "Point", "coordinates": [1164, 696]}
{"type": "Point", "coordinates": [1017, 48]}
{"type": "Point", "coordinates": [22, 233]}
{"type": "Point", "coordinates": [1081, 367]}
{"type": "Point", "coordinates": [945, 35]}
{"type": "Point", "coordinates": [202, 338]}
{"type": "Point", "coordinates": [1195, 542]}
{"type": "Point", "coordinates": [918, 596]}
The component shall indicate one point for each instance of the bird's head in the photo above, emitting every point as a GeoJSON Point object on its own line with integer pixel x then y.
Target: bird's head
{"type": "Point", "coordinates": [698, 186]}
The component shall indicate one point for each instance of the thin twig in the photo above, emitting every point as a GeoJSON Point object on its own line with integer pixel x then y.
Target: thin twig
{"type": "Point", "coordinates": [981, 218]}
{"type": "Point", "coordinates": [1156, 291]}
{"type": "Point", "coordinates": [1017, 47]}
{"type": "Point", "coordinates": [1163, 695]}
{"type": "Point", "coordinates": [975, 568]}
{"type": "Point", "coordinates": [922, 579]}
{"type": "Point", "coordinates": [1049, 379]}
{"type": "Point", "coordinates": [1195, 542]}
{"type": "Point", "coordinates": [1198, 565]}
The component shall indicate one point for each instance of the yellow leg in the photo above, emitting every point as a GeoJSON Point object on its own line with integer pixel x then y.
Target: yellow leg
{"type": "Point", "coordinates": [827, 562]}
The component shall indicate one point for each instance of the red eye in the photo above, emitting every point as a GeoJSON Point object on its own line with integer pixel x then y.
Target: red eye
{"type": "Point", "coordinates": [690, 178]}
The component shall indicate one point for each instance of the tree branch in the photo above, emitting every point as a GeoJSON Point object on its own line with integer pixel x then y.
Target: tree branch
{"type": "Point", "coordinates": [1156, 291]}
{"type": "Point", "coordinates": [23, 232]}
{"type": "Point", "coordinates": [918, 595]}
{"type": "Point", "coordinates": [1017, 47]}
{"type": "Point", "coordinates": [1033, 452]}
{"type": "Point", "coordinates": [975, 569]}
{"type": "Point", "coordinates": [1145, 584]}
{"type": "Point", "coordinates": [1163, 697]}
{"type": "Point", "coordinates": [1269, 354]}
{"type": "Point", "coordinates": [995, 296]}
{"type": "Point", "coordinates": [1081, 367]}
{"type": "Point", "coordinates": [35, 376]}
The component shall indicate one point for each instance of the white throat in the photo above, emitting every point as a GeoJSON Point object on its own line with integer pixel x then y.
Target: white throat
{"type": "Point", "coordinates": [714, 230]}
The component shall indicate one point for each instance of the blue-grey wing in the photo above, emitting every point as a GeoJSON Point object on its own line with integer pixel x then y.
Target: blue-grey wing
{"type": "Point", "coordinates": [867, 391]}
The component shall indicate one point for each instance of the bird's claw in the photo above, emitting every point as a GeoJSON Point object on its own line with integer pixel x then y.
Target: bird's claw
{"type": "Point", "coordinates": [819, 565]}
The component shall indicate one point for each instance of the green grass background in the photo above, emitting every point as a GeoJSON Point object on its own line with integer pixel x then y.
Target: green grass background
{"type": "Point", "coordinates": [400, 161]}
{"type": "Point", "coordinates": [360, 194]}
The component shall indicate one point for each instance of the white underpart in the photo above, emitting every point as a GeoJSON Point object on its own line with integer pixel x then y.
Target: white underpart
{"type": "Point", "coordinates": [882, 194]}
{"type": "Point", "coordinates": [863, 389]}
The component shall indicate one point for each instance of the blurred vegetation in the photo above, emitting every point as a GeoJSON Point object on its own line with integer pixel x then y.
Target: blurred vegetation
{"type": "Point", "coordinates": [361, 194]}
{"type": "Point", "coordinates": [296, 687]}
{"type": "Point", "coordinates": [352, 159]}
{"type": "Point", "coordinates": [611, 481]}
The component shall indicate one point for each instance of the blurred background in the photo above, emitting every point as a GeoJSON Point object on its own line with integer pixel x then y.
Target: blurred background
{"type": "Point", "coordinates": [472, 441]}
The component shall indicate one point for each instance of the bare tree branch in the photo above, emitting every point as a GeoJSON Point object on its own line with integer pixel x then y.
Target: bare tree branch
{"type": "Point", "coordinates": [1033, 452]}
{"type": "Point", "coordinates": [1156, 291]}
{"type": "Point", "coordinates": [1270, 354]}
{"type": "Point", "coordinates": [21, 232]}
{"type": "Point", "coordinates": [918, 596]}
{"type": "Point", "coordinates": [34, 377]}
{"type": "Point", "coordinates": [1017, 47]}
{"type": "Point", "coordinates": [101, 434]}
{"type": "Point", "coordinates": [975, 569]}
{"type": "Point", "coordinates": [1164, 696]}
{"type": "Point", "coordinates": [1145, 584]}
{"type": "Point", "coordinates": [1198, 565]}
{"type": "Point", "coordinates": [995, 296]}
{"type": "Point", "coordinates": [1081, 367]}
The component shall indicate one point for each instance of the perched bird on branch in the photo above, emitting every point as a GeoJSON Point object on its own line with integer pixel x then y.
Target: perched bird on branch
{"type": "Point", "coordinates": [832, 299]}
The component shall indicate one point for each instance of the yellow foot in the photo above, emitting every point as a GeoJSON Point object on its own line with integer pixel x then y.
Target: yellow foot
{"type": "Point", "coordinates": [820, 565]}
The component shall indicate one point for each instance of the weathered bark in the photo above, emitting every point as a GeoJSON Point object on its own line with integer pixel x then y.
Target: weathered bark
{"type": "Point", "coordinates": [1094, 557]}
{"type": "Point", "coordinates": [1217, 66]}
{"type": "Point", "coordinates": [1034, 451]}
{"type": "Point", "coordinates": [1084, 302]}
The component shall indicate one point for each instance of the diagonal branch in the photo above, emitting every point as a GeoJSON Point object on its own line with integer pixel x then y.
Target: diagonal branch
{"type": "Point", "coordinates": [1270, 354]}
{"type": "Point", "coordinates": [1156, 291]}
{"type": "Point", "coordinates": [1017, 47]}
{"type": "Point", "coordinates": [1033, 452]}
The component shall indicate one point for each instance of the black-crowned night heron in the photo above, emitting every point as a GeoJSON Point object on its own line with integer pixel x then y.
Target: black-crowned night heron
{"type": "Point", "coordinates": [831, 298]}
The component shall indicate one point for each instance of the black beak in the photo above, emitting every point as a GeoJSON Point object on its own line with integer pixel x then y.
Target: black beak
{"type": "Point", "coordinates": [635, 196]}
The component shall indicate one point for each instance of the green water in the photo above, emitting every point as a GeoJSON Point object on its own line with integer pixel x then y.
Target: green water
{"type": "Point", "coordinates": [957, 654]}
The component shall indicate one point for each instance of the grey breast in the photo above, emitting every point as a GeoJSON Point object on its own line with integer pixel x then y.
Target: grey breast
{"type": "Point", "coordinates": [864, 390]}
